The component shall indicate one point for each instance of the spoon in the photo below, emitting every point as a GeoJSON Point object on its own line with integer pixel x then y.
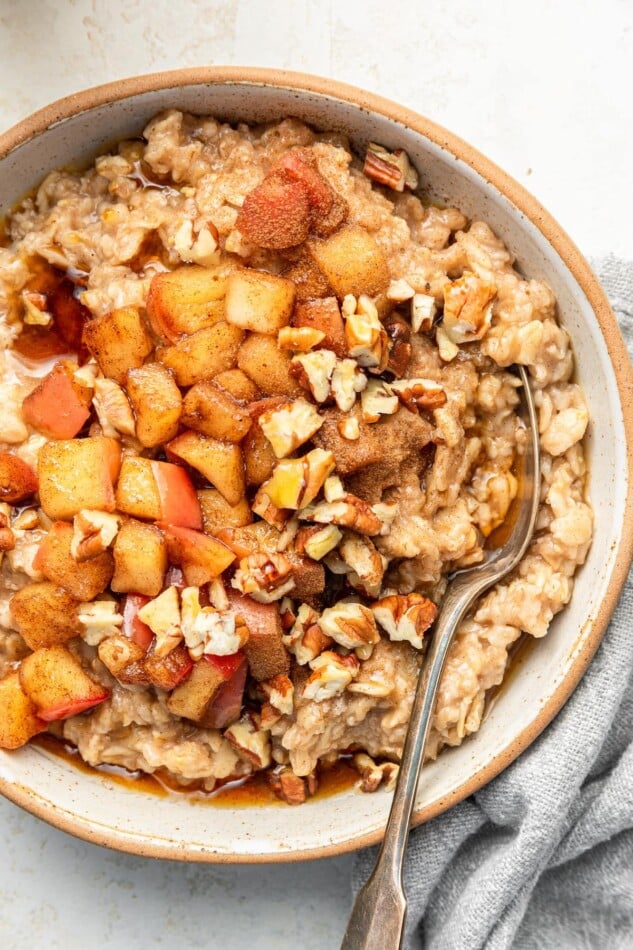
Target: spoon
{"type": "Point", "coordinates": [379, 913]}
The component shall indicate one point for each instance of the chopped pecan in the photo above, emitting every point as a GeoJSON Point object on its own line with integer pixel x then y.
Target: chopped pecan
{"type": "Point", "coordinates": [373, 774]}
{"type": "Point", "coordinates": [349, 624]}
{"type": "Point", "coordinates": [264, 577]}
{"type": "Point", "coordinates": [366, 563]}
{"type": "Point", "coordinates": [331, 674]}
{"type": "Point", "coordinates": [93, 533]}
{"type": "Point", "coordinates": [419, 393]}
{"type": "Point", "coordinates": [287, 786]}
{"type": "Point", "coordinates": [316, 542]}
{"type": "Point", "coordinates": [405, 617]}
{"type": "Point", "coordinates": [313, 371]}
{"type": "Point", "coordinates": [349, 511]}
{"type": "Point", "coordinates": [289, 426]}
{"type": "Point", "coordinates": [250, 740]}
{"type": "Point", "coordinates": [392, 169]}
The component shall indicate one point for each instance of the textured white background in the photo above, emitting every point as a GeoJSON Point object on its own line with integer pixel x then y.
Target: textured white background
{"type": "Point", "coordinates": [542, 88]}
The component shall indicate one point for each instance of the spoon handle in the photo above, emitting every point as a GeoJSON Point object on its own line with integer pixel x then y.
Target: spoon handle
{"type": "Point", "coordinates": [378, 917]}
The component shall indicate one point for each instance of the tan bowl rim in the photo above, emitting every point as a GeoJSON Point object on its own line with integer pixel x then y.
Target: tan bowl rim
{"type": "Point", "coordinates": [592, 633]}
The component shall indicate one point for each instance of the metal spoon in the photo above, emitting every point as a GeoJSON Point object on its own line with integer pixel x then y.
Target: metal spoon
{"type": "Point", "coordinates": [379, 913]}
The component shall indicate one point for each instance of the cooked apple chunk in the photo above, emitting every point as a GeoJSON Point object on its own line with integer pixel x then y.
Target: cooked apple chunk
{"type": "Point", "coordinates": [45, 614]}
{"type": "Point", "coordinates": [218, 514]}
{"type": "Point", "coordinates": [76, 474]}
{"type": "Point", "coordinates": [324, 316]}
{"type": "Point", "coordinates": [119, 341]}
{"type": "Point", "coordinates": [140, 559]}
{"type": "Point", "coordinates": [259, 301]}
{"type": "Point", "coordinates": [17, 479]}
{"type": "Point", "coordinates": [58, 685]}
{"type": "Point", "coordinates": [211, 410]}
{"type": "Point", "coordinates": [185, 300]}
{"type": "Point", "coordinates": [261, 358]}
{"type": "Point", "coordinates": [59, 405]}
{"type": "Point", "coordinates": [221, 463]}
{"type": "Point", "coordinates": [156, 401]}
{"type": "Point", "coordinates": [352, 262]}
{"type": "Point", "coordinates": [201, 557]}
{"type": "Point", "coordinates": [203, 354]}
{"type": "Point", "coordinates": [237, 383]}
{"type": "Point", "coordinates": [157, 491]}
{"type": "Point", "coordinates": [265, 651]}
{"type": "Point", "coordinates": [19, 721]}
{"type": "Point", "coordinates": [190, 699]}
{"type": "Point", "coordinates": [82, 580]}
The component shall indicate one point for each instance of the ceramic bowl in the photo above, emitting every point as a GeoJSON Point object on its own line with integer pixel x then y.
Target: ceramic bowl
{"type": "Point", "coordinates": [101, 810]}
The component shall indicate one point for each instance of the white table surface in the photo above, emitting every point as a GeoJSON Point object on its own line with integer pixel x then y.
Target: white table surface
{"type": "Point", "coordinates": [544, 89]}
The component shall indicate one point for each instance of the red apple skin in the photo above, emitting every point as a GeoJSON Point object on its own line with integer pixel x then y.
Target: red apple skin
{"type": "Point", "coordinates": [72, 707]}
{"type": "Point", "coordinates": [133, 626]}
{"type": "Point", "coordinates": [178, 500]}
{"type": "Point", "coordinates": [226, 705]}
{"type": "Point", "coordinates": [55, 408]}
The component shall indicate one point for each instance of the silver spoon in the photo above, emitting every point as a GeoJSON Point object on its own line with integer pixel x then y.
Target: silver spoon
{"type": "Point", "coordinates": [379, 913]}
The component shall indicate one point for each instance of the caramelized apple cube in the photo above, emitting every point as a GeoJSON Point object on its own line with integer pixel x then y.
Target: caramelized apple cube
{"type": "Point", "coordinates": [76, 474]}
{"type": "Point", "coordinates": [237, 383]}
{"type": "Point", "coordinates": [45, 615]}
{"type": "Point", "coordinates": [261, 358]}
{"type": "Point", "coordinates": [259, 301]}
{"type": "Point", "coordinates": [221, 463]}
{"type": "Point", "coordinates": [218, 514]}
{"type": "Point", "coordinates": [19, 721]}
{"type": "Point", "coordinates": [211, 410]}
{"type": "Point", "coordinates": [83, 580]}
{"type": "Point", "coordinates": [185, 300]}
{"type": "Point", "coordinates": [140, 559]}
{"type": "Point", "coordinates": [156, 401]}
{"type": "Point", "coordinates": [352, 262]}
{"type": "Point", "coordinates": [226, 705]}
{"type": "Point", "coordinates": [119, 341]}
{"type": "Point", "coordinates": [323, 315]}
{"type": "Point", "coordinates": [118, 652]}
{"type": "Point", "coordinates": [191, 698]}
{"type": "Point", "coordinates": [17, 479]}
{"type": "Point", "coordinates": [201, 557]}
{"type": "Point", "coordinates": [59, 406]}
{"type": "Point", "coordinates": [276, 214]}
{"type": "Point", "coordinates": [202, 355]}
{"type": "Point", "coordinates": [57, 684]}
{"type": "Point", "coordinates": [157, 491]}
{"type": "Point", "coordinates": [265, 651]}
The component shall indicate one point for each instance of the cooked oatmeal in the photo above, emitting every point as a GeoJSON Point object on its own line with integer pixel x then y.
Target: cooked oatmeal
{"type": "Point", "coordinates": [257, 405]}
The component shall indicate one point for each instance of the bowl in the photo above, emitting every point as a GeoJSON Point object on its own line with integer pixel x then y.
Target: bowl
{"type": "Point", "coordinates": [95, 806]}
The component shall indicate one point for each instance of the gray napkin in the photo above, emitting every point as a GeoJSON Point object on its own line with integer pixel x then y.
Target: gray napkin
{"type": "Point", "coordinates": [542, 857]}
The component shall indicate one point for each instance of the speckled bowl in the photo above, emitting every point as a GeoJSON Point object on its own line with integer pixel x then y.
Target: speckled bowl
{"type": "Point", "coordinates": [98, 809]}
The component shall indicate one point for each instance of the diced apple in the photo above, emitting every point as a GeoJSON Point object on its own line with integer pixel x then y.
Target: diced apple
{"type": "Point", "coordinates": [226, 706]}
{"type": "Point", "coordinates": [140, 559]}
{"type": "Point", "coordinates": [58, 406]}
{"type": "Point", "coordinates": [259, 301]}
{"type": "Point", "coordinates": [157, 491]}
{"type": "Point", "coordinates": [265, 651]}
{"type": "Point", "coordinates": [76, 474]}
{"type": "Point", "coordinates": [83, 580]}
{"type": "Point", "coordinates": [19, 721]}
{"type": "Point", "coordinates": [185, 300]}
{"type": "Point", "coordinates": [119, 341]}
{"type": "Point", "coordinates": [191, 698]}
{"type": "Point", "coordinates": [221, 463]}
{"type": "Point", "coordinates": [259, 456]}
{"type": "Point", "coordinates": [352, 262]}
{"type": "Point", "coordinates": [250, 538]}
{"type": "Point", "coordinates": [204, 354]}
{"type": "Point", "coordinates": [267, 365]}
{"type": "Point", "coordinates": [218, 514]}
{"type": "Point", "coordinates": [58, 685]}
{"type": "Point", "coordinates": [17, 479]}
{"type": "Point", "coordinates": [201, 557]}
{"type": "Point", "coordinates": [237, 383]}
{"type": "Point", "coordinates": [156, 401]}
{"type": "Point", "coordinates": [276, 214]}
{"type": "Point", "coordinates": [45, 615]}
{"type": "Point", "coordinates": [166, 672]}
{"type": "Point", "coordinates": [308, 279]}
{"type": "Point", "coordinates": [133, 626]}
{"type": "Point", "coordinates": [211, 410]}
{"type": "Point", "coordinates": [323, 315]}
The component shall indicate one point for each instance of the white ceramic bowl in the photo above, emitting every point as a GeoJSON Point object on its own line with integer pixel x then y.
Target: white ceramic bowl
{"type": "Point", "coordinates": [103, 811]}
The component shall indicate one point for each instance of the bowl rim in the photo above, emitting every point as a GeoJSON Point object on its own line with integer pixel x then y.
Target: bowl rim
{"type": "Point", "coordinates": [593, 630]}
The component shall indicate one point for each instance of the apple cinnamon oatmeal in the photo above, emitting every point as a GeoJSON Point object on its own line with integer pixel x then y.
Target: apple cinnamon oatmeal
{"type": "Point", "coordinates": [257, 405]}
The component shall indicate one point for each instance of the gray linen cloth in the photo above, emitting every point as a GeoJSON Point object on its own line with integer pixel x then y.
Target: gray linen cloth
{"type": "Point", "coordinates": [542, 857]}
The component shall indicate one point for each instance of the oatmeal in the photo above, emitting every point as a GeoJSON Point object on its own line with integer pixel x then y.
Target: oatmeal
{"type": "Point", "coordinates": [257, 405]}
